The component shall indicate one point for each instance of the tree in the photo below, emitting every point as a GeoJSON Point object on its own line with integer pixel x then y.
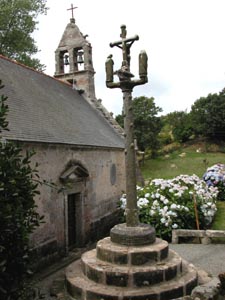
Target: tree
{"type": "Point", "coordinates": [146, 123]}
{"type": "Point", "coordinates": [18, 216]}
{"type": "Point", "coordinates": [208, 116]}
{"type": "Point", "coordinates": [17, 23]}
{"type": "Point", "coordinates": [180, 125]}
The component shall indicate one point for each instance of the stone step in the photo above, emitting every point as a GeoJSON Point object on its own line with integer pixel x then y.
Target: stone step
{"type": "Point", "coordinates": [139, 255]}
{"type": "Point", "coordinates": [128, 275]}
{"type": "Point", "coordinates": [80, 287]}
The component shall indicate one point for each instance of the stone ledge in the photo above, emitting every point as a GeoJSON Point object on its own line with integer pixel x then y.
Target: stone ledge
{"type": "Point", "coordinates": [205, 235]}
{"type": "Point", "coordinates": [140, 235]}
{"type": "Point", "coordinates": [122, 254]}
{"type": "Point", "coordinates": [78, 285]}
{"type": "Point", "coordinates": [123, 275]}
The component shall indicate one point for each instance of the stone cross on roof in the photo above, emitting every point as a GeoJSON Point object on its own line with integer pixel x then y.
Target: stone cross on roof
{"type": "Point", "coordinates": [72, 9]}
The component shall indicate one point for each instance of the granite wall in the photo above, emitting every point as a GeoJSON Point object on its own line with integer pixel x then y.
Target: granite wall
{"type": "Point", "coordinates": [98, 201]}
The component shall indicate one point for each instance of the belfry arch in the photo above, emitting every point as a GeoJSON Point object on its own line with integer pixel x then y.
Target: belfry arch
{"type": "Point", "coordinates": [73, 61]}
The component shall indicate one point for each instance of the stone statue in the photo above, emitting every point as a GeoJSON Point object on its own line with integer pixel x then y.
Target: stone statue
{"type": "Point", "coordinates": [123, 31]}
{"type": "Point", "coordinates": [109, 68]}
{"type": "Point", "coordinates": [143, 64]}
{"type": "Point", "coordinates": [124, 74]}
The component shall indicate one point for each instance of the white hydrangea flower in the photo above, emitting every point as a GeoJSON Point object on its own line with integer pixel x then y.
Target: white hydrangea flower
{"type": "Point", "coordinates": [142, 202]}
{"type": "Point", "coordinates": [152, 212]}
{"type": "Point", "coordinates": [174, 226]}
{"type": "Point", "coordinates": [172, 213]}
{"type": "Point", "coordinates": [173, 206]}
{"type": "Point", "coordinates": [163, 220]}
{"type": "Point", "coordinates": [155, 203]}
{"type": "Point", "coordinates": [166, 201]}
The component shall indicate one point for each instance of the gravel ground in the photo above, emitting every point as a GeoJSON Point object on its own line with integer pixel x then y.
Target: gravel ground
{"type": "Point", "coordinates": [210, 258]}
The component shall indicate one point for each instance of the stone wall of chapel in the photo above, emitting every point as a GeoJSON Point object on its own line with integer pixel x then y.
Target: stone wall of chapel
{"type": "Point", "coordinates": [103, 188]}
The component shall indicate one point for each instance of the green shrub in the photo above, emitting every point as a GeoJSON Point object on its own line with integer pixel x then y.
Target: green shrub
{"type": "Point", "coordinates": [169, 148]}
{"type": "Point", "coordinates": [18, 216]}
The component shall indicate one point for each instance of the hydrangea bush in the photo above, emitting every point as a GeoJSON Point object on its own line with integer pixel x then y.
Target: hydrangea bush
{"type": "Point", "coordinates": [215, 176]}
{"type": "Point", "coordinates": [169, 204]}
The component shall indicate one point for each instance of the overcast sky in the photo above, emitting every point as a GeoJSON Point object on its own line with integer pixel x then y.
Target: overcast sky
{"type": "Point", "coordinates": [184, 40]}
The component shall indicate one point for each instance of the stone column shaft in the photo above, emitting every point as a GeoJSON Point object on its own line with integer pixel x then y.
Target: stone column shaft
{"type": "Point", "coordinates": [130, 163]}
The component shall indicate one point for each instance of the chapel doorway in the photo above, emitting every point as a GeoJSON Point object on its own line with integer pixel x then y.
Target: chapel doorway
{"type": "Point", "coordinates": [74, 226]}
{"type": "Point", "coordinates": [74, 179]}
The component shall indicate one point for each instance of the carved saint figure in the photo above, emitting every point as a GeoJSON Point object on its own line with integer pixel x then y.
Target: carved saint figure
{"type": "Point", "coordinates": [109, 68]}
{"type": "Point", "coordinates": [143, 64]}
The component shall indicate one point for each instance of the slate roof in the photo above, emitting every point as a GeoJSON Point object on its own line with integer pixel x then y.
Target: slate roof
{"type": "Point", "coordinates": [44, 109]}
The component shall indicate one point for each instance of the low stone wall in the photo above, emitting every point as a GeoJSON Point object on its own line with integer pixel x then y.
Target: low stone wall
{"type": "Point", "coordinates": [204, 235]}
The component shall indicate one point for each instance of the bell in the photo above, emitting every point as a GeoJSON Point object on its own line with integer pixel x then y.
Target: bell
{"type": "Point", "coordinates": [80, 57]}
{"type": "Point", "coordinates": [66, 60]}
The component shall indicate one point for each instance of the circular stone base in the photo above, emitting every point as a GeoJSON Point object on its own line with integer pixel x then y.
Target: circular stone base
{"type": "Point", "coordinates": [142, 234]}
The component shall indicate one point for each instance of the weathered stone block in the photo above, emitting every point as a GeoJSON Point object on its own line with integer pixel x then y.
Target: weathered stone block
{"type": "Point", "coordinates": [171, 272]}
{"type": "Point", "coordinates": [73, 290]}
{"type": "Point", "coordinates": [172, 294]}
{"type": "Point", "coordinates": [147, 278]}
{"type": "Point", "coordinates": [112, 256]}
{"type": "Point", "coordinates": [205, 240]}
{"type": "Point", "coordinates": [190, 285]}
{"type": "Point", "coordinates": [94, 296]}
{"type": "Point", "coordinates": [215, 233]}
{"type": "Point", "coordinates": [176, 233]}
{"type": "Point", "coordinates": [120, 259]}
{"type": "Point", "coordinates": [94, 274]}
{"type": "Point", "coordinates": [117, 279]}
{"type": "Point", "coordinates": [164, 253]}
{"type": "Point", "coordinates": [143, 257]}
{"type": "Point", "coordinates": [144, 297]}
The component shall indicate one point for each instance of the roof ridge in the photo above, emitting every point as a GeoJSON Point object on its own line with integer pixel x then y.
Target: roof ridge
{"type": "Point", "coordinates": [32, 69]}
{"type": "Point", "coordinates": [108, 116]}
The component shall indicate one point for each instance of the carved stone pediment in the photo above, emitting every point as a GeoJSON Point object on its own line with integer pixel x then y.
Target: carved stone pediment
{"type": "Point", "coordinates": [73, 173]}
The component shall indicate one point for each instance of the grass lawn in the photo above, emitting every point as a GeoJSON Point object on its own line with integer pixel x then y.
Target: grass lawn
{"type": "Point", "coordinates": [189, 163]}
{"type": "Point", "coordinates": [219, 221]}
{"type": "Point", "coordinates": [178, 163]}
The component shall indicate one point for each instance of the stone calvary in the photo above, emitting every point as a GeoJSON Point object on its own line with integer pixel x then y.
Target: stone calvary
{"type": "Point", "coordinates": [131, 264]}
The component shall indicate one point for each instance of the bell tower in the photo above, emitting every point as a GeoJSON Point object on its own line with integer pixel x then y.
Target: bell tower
{"type": "Point", "coordinates": [73, 59]}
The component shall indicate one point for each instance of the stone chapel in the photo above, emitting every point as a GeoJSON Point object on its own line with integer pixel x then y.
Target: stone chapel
{"type": "Point", "coordinates": [79, 146]}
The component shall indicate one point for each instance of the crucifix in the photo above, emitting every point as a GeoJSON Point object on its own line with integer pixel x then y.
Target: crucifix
{"type": "Point", "coordinates": [72, 9]}
{"type": "Point", "coordinates": [125, 44]}
{"type": "Point", "coordinates": [126, 84]}
{"type": "Point", "coordinates": [131, 233]}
